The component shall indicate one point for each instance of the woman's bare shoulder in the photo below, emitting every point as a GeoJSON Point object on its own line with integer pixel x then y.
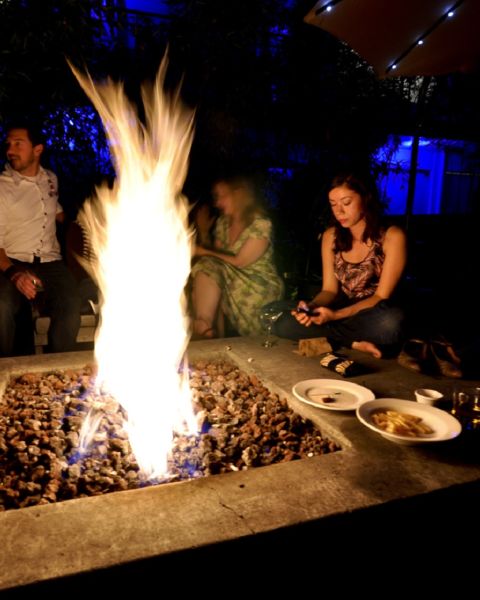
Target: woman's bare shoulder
{"type": "Point", "coordinates": [328, 241]}
{"type": "Point", "coordinates": [394, 234]}
{"type": "Point", "coordinates": [329, 234]}
{"type": "Point", "coordinates": [394, 237]}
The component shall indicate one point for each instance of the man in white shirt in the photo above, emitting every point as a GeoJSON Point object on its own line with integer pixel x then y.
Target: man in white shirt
{"type": "Point", "coordinates": [30, 259]}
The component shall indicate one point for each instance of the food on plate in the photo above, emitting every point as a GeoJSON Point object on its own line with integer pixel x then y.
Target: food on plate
{"type": "Point", "coordinates": [392, 421]}
{"type": "Point", "coordinates": [325, 398]}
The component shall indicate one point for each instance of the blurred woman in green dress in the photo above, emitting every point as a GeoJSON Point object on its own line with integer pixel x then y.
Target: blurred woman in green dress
{"type": "Point", "coordinates": [236, 276]}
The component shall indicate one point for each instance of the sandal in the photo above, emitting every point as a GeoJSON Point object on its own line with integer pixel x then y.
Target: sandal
{"type": "Point", "coordinates": [206, 334]}
{"type": "Point", "coordinates": [414, 355]}
{"type": "Point", "coordinates": [447, 361]}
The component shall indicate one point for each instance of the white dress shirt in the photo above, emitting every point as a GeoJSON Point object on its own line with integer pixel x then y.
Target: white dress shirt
{"type": "Point", "coordinates": [28, 207]}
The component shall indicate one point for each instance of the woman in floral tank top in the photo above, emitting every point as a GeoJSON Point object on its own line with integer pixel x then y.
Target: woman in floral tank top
{"type": "Point", "coordinates": [362, 265]}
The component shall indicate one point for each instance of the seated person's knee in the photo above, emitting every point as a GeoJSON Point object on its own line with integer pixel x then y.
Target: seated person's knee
{"type": "Point", "coordinates": [390, 324]}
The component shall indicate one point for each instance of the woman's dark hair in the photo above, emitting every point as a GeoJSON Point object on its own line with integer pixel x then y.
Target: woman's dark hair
{"type": "Point", "coordinates": [364, 184]}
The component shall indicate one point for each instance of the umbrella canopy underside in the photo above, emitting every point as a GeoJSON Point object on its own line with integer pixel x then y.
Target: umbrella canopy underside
{"type": "Point", "coordinates": [388, 33]}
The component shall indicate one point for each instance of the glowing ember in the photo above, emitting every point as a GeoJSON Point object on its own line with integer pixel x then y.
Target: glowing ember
{"type": "Point", "coordinates": [140, 235]}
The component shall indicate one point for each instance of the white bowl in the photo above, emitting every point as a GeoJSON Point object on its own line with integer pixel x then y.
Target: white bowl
{"type": "Point", "coordinates": [426, 396]}
{"type": "Point", "coordinates": [444, 426]}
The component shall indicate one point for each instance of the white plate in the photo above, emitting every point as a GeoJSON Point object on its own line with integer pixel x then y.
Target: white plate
{"type": "Point", "coordinates": [344, 394]}
{"type": "Point", "coordinates": [444, 425]}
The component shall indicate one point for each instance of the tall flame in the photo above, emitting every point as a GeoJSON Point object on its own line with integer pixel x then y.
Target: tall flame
{"type": "Point", "coordinates": [140, 236]}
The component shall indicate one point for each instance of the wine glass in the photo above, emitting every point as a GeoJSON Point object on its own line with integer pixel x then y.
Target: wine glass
{"type": "Point", "coordinates": [268, 316]}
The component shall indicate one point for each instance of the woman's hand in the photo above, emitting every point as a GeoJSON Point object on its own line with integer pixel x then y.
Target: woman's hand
{"type": "Point", "coordinates": [203, 223]}
{"type": "Point", "coordinates": [306, 315]}
{"type": "Point", "coordinates": [324, 315]}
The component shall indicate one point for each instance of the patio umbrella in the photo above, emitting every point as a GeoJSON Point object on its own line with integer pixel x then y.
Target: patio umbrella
{"type": "Point", "coordinates": [405, 37]}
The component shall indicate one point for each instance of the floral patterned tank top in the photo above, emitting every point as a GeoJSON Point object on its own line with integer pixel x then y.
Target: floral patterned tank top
{"type": "Point", "coordinates": [360, 280]}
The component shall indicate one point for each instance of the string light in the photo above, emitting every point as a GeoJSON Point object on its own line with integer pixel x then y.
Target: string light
{"type": "Point", "coordinates": [420, 41]}
{"type": "Point", "coordinates": [328, 7]}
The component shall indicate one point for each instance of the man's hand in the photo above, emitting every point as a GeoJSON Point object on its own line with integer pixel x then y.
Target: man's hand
{"type": "Point", "coordinates": [27, 283]}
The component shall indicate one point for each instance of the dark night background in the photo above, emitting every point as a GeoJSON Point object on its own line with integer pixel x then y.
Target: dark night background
{"type": "Point", "coordinates": [272, 95]}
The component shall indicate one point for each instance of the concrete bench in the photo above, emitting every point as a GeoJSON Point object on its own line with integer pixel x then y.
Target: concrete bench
{"type": "Point", "coordinates": [41, 323]}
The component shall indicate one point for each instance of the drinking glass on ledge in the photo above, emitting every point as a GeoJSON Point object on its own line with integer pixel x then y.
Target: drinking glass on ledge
{"type": "Point", "coordinates": [268, 316]}
{"type": "Point", "coordinates": [466, 406]}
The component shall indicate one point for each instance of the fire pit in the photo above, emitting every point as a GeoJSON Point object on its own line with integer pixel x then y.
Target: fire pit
{"type": "Point", "coordinates": [53, 540]}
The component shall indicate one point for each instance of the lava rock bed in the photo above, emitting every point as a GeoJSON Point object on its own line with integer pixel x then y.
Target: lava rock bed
{"type": "Point", "coordinates": [243, 425]}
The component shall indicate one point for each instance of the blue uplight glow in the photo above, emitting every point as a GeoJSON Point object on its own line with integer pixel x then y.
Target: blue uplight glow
{"type": "Point", "coordinates": [447, 179]}
{"type": "Point", "coordinates": [152, 6]}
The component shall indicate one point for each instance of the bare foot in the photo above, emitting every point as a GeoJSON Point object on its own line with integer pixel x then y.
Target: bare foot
{"type": "Point", "coordinates": [367, 347]}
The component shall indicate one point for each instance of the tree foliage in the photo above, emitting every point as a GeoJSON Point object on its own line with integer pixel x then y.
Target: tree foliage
{"type": "Point", "coordinates": [36, 38]}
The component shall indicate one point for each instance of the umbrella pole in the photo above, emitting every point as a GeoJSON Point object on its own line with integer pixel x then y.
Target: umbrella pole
{"type": "Point", "coordinates": [412, 174]}
{"type": "Point", "coordinates": [412, 177]}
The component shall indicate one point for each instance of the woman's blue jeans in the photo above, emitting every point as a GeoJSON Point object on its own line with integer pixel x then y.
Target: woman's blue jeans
{"type": "Point", "coordinates": [382, 325]}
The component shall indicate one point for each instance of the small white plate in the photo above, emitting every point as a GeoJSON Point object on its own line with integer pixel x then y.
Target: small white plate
{"type": "Point", "coordinates": [332, 394]}
{"type": "Point", "coordinates": [444, 425]}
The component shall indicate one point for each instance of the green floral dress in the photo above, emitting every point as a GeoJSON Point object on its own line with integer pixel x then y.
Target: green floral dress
{"type": "Point", "coordinates": [244, 290]}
